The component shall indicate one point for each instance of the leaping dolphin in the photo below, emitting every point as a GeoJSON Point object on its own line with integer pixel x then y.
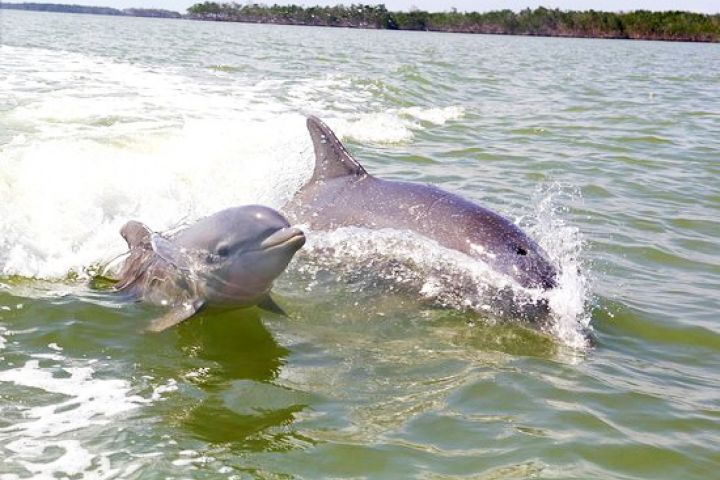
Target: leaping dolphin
{"type": "Point", "coordinates": [229, 259]}
{"type": "Point", "coordinates": [342, 193]}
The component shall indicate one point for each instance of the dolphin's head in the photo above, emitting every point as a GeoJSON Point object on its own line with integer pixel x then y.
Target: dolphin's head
{"type": "Point", "coordinates": [500, 244]}
{"type": "Point", "coordinates": [509, 251]}
{"type": "Point", "coordinates": [526, 262]}
{"type": "Point", "coordinates": [241, 251]}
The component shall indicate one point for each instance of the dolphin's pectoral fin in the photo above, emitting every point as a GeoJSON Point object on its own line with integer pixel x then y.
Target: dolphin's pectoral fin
{"type": "Point", "coordinates": [136, 234]}
{"type": "Point", "coordinates": [175, 316]}
{"type": "Point", "coordinates": [269, 305]}
{"type": "Point", "coordinates": [331, 157]}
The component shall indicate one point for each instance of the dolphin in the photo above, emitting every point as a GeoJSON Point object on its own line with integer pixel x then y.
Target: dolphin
{"type": "Point", "coordinates": [229, 259]}
{"type": "Point", "coordinates": [342, 193]}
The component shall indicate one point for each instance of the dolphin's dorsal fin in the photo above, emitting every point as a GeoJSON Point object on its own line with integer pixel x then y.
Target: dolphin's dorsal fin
{"type": "Point", "coordinates": [136, 234]}
{"type": "Point", "coordinates": [332, 159]}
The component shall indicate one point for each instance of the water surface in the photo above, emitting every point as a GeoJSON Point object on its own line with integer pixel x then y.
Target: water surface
{"type": "Point", "coordinates": [606, 152]}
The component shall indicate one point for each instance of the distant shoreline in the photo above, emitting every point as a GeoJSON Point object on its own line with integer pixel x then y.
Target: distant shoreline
{"type": "Point", "coordinates": [636, 25]}
{"type": "Point", "coordinates": [63, 8]}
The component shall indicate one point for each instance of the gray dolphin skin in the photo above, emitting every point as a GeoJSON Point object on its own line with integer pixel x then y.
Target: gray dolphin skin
{"type": "Point", "coordinates": [229, 259]}
{"type": "Point", "coordinates": [341, 193]}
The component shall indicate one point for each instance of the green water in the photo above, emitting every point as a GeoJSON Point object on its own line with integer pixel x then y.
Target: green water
{"type": "Point", "coordinates": [605, 151]}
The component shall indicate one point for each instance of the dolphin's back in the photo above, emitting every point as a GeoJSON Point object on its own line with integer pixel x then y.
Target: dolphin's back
{"type": "Point", "coordinates": [449, 219]}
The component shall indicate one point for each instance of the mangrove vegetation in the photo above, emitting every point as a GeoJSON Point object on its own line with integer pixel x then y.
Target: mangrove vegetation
{"type": "Point", "coordinates": [640, 24]}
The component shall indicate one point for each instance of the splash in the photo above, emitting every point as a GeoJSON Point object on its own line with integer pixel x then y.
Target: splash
{"type": "Point", "coordinates": [69, 217]}
{"type": "Point", "coordinates": [570, 301]}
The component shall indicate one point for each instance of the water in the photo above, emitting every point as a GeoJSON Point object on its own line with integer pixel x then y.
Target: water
{"type": "Point", "coordinates": [606, 152]}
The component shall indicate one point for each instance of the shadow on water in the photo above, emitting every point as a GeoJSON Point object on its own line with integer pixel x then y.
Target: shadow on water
{"type": "Point", "coordinates": [238, 403]}
{"type": "Point", "coordinates": [237, 341]}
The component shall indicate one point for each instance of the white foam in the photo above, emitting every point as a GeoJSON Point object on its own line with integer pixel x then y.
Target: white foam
{"type": "Point", "coordinates": [379, 128]}
{"type": "Point", "coordinates": [119, 141]}
{"type": "Point", "coordinates": [392, 125]}
{"type": "Point", "coordinates": [94, 397]}
{"type": "Point", "coordinates": [437, 116]}
{"type": "Point", "coordinates": [65, 426]}
{"type": "Point", "coordinates": [91, 402]}
{"type": "Point", "coordinates": [160, 390]}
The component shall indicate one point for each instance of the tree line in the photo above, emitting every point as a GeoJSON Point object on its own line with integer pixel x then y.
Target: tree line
{"type": "Point", "coordinates": [640, 24]}
{"type": "Point", "coordinates": [62, 8]}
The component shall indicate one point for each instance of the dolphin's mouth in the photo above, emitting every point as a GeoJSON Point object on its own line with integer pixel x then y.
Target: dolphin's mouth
{"type": "Point", "coordinates": [284, 237]}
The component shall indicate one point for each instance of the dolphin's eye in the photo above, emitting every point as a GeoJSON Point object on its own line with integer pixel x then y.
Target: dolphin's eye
{"type": "Point", "coordinates": [223, 250]}
{"type": "Point", "coordinates": [520, 251]}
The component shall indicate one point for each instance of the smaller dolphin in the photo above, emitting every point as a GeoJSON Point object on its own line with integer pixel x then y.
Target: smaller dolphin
{"type": "Point", "coordinates": [342, 193]}
{"type": "Point", "coordinates": [229, 259]}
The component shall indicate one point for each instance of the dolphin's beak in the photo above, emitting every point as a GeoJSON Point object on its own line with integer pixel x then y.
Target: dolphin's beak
{"type": "Point", "coordinates": [284, 237]}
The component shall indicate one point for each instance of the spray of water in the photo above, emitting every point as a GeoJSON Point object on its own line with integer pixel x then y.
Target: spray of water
{"type": "Point", "coordinates": [570, 301]}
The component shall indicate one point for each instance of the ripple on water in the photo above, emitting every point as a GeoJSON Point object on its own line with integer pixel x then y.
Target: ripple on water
{"type": "Point", "coordinates": [364, 379]}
